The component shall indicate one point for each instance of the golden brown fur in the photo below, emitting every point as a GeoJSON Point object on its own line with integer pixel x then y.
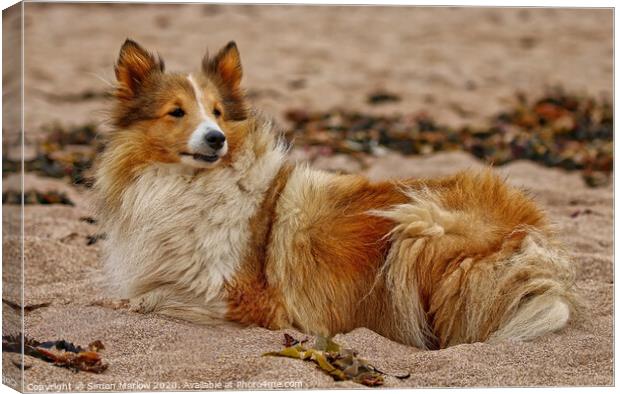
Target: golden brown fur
{"type": "Point", "coordinates": [257, 241]}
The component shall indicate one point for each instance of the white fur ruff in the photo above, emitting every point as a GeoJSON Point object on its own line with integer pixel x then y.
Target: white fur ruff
{"type": "Point", "coordinates": [180, 234]}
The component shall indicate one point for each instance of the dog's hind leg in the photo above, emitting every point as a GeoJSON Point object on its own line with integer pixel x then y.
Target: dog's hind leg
{"type": "Point", "coordinates": [421, 226]}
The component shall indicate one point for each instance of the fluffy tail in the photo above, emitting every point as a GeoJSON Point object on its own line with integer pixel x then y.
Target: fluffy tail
{"type": "Point", "coordinates": [538, 284]}
{"type": "Point", "coordinates": [471, 261]}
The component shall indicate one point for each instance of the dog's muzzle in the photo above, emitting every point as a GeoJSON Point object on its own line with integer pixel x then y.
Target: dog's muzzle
{"type": "Point", "coordinates": [206, 145]}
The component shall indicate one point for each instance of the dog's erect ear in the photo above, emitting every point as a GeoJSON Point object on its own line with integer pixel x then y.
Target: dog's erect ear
{"type": "Point", "coordinates": [224, 69]}
{"type": "Point", "coordinates": [134, 65]}
{"type": "Point", "coordinates": [226, 66]}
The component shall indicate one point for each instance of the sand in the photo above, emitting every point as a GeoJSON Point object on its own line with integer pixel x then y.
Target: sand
{"type": "Point", "coordinates": [459, 65]}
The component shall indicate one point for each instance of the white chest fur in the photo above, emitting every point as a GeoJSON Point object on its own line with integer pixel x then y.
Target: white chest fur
{"type": "Point", "coordinates": [183, 232]}
{"type": "Point", "coordinates": [179, 236]}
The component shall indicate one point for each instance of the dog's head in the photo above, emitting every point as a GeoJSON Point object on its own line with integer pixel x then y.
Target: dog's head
{"type": "Point", "coordinates": [181, 118]}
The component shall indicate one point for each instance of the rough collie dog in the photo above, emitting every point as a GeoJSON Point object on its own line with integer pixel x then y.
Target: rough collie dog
{"type": "Point", "coordinates": [208, 222]}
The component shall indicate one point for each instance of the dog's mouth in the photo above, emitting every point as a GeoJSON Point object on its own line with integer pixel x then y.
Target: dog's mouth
{"type": "Point", "coordinates": [200, 157]}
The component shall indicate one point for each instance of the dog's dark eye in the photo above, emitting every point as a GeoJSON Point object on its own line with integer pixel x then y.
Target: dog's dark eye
{"type": "Point", "coordinates": [177, 113]}
{"type": "Point", "coordinates": [217, 112]}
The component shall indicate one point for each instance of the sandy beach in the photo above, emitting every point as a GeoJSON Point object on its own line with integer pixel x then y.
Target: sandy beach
{"type": "Point", "coordinates": [459, 65]}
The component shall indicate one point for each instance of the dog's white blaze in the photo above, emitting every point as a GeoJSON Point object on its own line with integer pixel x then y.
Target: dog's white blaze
{"type": "Point", "coordinates": [196, 140]}
{"type": "Point", "coordinates": [199, 97]}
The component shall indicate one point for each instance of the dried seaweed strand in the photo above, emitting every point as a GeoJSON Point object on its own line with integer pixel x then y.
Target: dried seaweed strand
{"type": "Point", "coordinates": [340, 363]}
{"type": "Point", "coordinates": [61, 353]}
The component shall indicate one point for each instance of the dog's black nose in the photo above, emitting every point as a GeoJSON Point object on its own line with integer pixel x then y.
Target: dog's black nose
{"type": "Point", "coordinates": [215, 139]}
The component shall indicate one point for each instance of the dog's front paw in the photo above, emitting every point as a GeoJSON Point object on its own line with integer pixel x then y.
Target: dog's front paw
{"type": "Point", "coordinates": [140, 305]}
{"type": "Point", "coordinates": [112, 303]}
